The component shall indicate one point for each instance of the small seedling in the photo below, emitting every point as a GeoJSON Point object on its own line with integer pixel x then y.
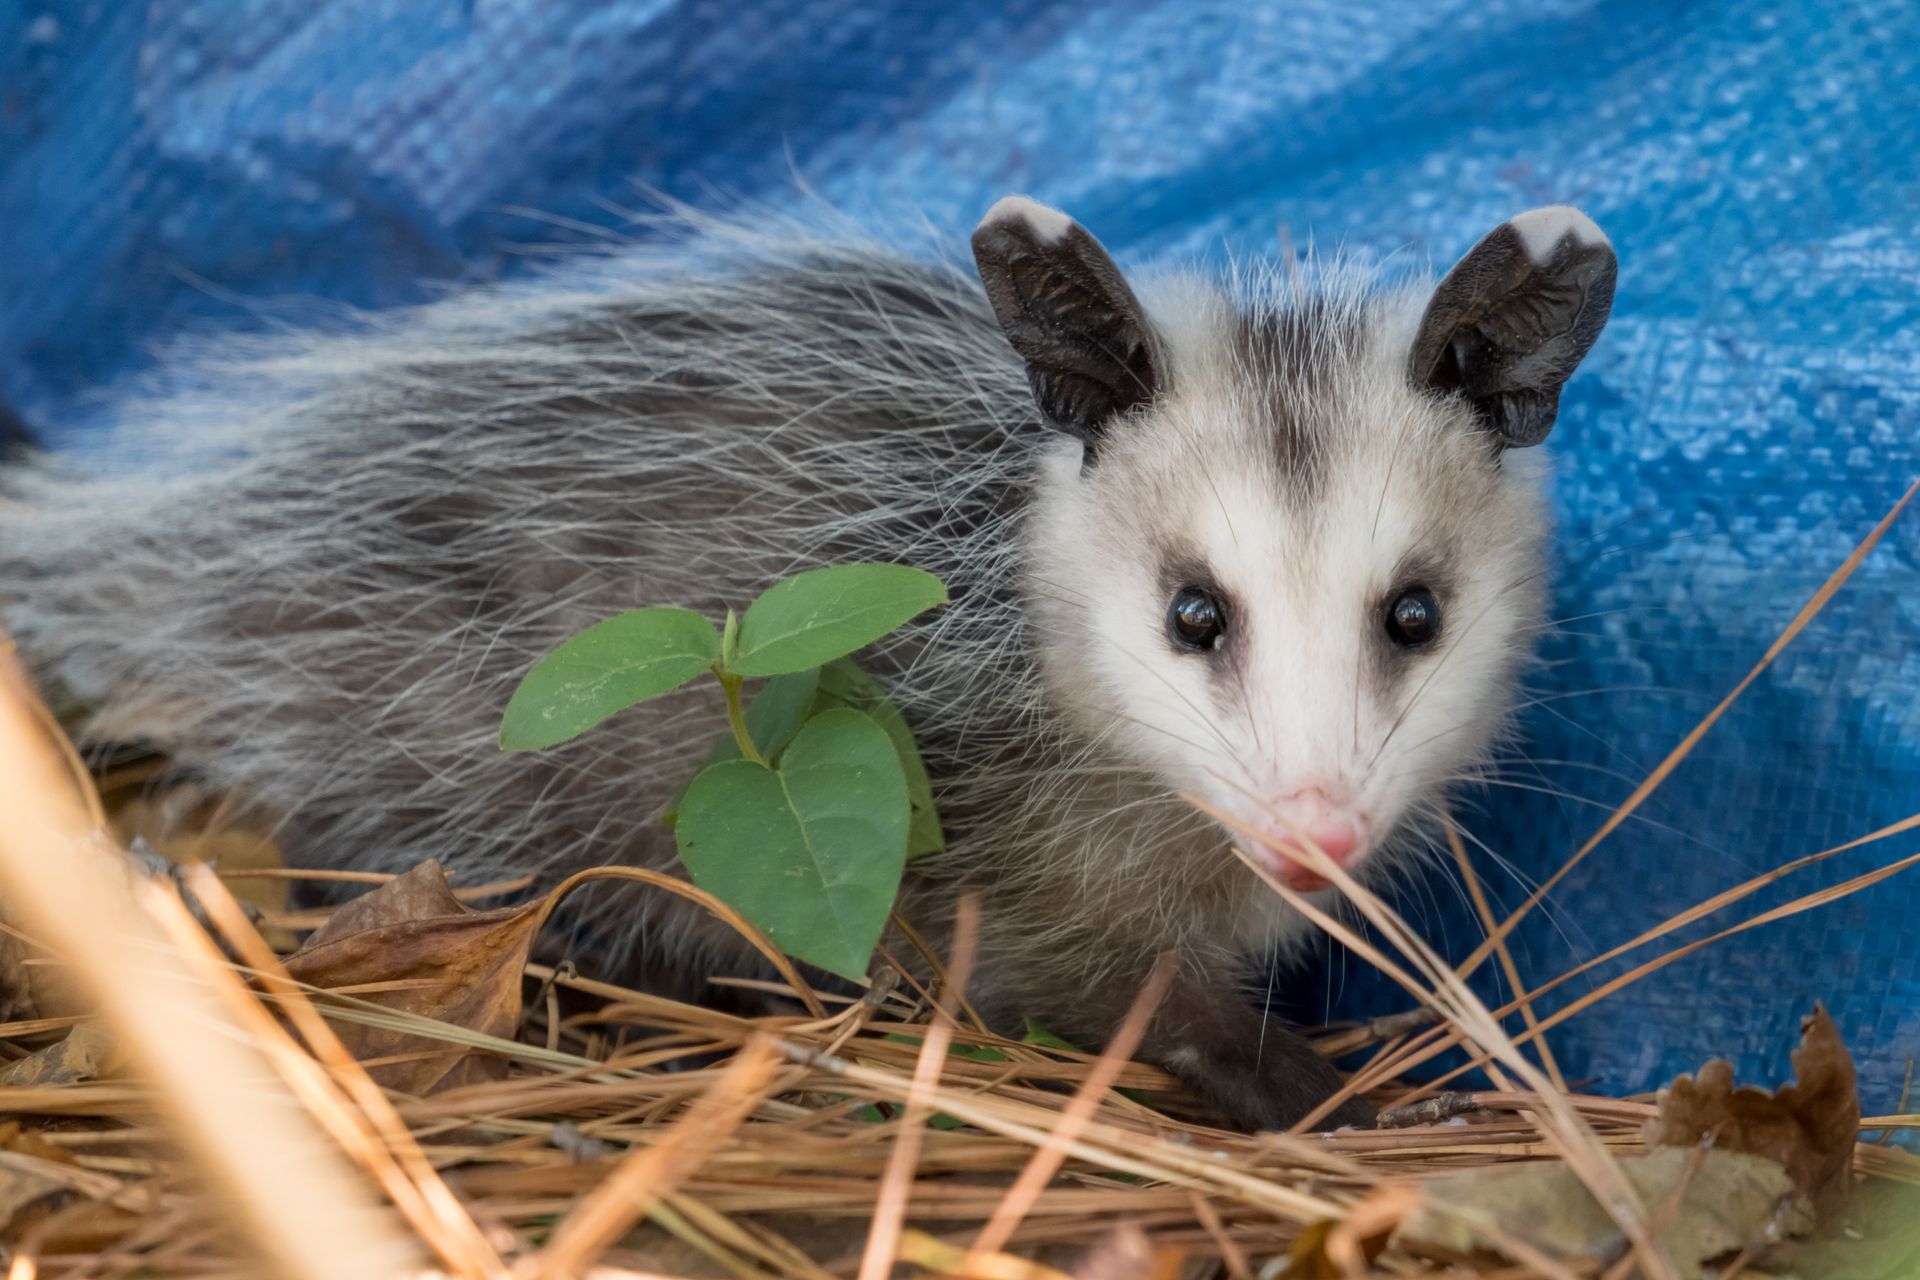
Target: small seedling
{"type": "Point", "coordinates": [806, 811]}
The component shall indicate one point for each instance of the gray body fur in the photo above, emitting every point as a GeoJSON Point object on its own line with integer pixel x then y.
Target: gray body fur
{"type": "Point", "coordinates": [377, 535]}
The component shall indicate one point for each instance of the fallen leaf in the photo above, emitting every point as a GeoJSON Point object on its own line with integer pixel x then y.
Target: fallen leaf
{"type": "Point", "coordinates": [1809, 1128]}
{"type": "Point", "coordinates": [1125, 1253]}
{"type": "Point", "coordinates": [1728, 1202]}
{"type": "Point", "coordinates": [1335, 1248]}
{"type": "Point", "coordinates": [942, 1259]}
{"type": "Point", "coordinates": [31, 986]}
{"type": "Point", "coordinates": [1876, 1238]}
{"type": "Point", "coordinates": [22, 1189]}
{"type": "Point", "coordinates": [16, 1138]}
{"type": "Point", "coordinates": [16, 980]}
{"type": "Point", "coordinates": [1308, 1259]}
{"type": "Point", "coordinates": [466, 964]}
{"type": "Point", "coordinates": [84, 1226]}
{"type": "Point", "coordinates": [84, 1054]}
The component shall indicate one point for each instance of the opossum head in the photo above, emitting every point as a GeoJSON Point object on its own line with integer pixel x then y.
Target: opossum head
{"type": "Point", "coordinates": [1287, 551]}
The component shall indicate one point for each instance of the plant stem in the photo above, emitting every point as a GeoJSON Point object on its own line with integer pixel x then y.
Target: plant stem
{"type": "Point", "coordinates": [737, 718]}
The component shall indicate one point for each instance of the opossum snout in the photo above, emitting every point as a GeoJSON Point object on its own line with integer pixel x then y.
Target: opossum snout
{"type": "Point", "coordinates": [1311, 816]}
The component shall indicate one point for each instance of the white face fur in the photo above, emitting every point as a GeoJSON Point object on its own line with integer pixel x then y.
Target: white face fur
{"type": "Point", "coordinates": [1304, 550]}
{"type": "Point", "coordinates": [1291, 576]}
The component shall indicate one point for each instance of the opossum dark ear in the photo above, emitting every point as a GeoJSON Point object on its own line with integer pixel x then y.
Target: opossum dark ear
{"type": "Point", "coordinates": [1069, 313]}
{"type": "Point", "coordinates": [1510, 323]}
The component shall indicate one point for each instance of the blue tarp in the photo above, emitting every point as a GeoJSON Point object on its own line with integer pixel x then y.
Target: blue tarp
{"type": "Point", "coordinates": [196, 165]}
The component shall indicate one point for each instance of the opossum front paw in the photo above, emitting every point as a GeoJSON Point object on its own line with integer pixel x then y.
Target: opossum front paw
{"type": "Point", "coordinates": [1273, 1088]}
{"type": "Point", "coordinates": [1355, 1113]}
{"type": "Point", "coordinates": [1261, 1075]}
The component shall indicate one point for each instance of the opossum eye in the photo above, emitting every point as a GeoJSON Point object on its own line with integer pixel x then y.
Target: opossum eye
{"type": "Point", "coordinates": [1196, 620]}
{"type": "Point", "coordinates": [1413, 618]}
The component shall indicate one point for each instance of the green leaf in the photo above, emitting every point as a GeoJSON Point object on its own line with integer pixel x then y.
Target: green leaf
{"type": "Point", "coordinates": [971, 1052]}
{"type": "Point", "coordinates": [1037, 1034]}
{"type": "Point", "coordinates": [924, 834]}
{"type": "Point", "coordinates": [729, 639]}
{"type": "Point", "coordinates": [773, 717]}
{"type": "Point", "coordinates": [811, 853]}
{"type": "Point", "coordinates": [870, 1114]}
{"type": "Point", "coordinates": [823, 614]}
{"type": "Point", "coordinates": [845, 683]}
{"type": "Point", "coordinates": [606, 668]}
{"type": "Point", "coordinates": [1040, 1037]}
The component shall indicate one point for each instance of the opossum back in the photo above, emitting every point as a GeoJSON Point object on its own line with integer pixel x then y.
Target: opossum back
{"type": "Point", "coordinates": [378, 533]}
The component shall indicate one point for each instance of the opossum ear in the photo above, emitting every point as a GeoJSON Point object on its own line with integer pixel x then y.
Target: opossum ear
{"type": "Point", "coordinates": [1068, 311]}
{"type": "Point", "coordinates": [1510, 323]}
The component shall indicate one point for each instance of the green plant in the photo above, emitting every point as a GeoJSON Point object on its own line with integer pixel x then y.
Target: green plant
{"type": "Point", "coordinates": [805, 813]}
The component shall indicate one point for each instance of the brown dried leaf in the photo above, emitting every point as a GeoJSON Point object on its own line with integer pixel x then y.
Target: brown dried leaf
{"type": "Point", "coordinates": [1809, 1127]}
{"type": "Point", "coordinates": [932, 1254]}
{"type": "Point", "coordinates": [1338, 1247]}
{"type": "Point", "coordinates": [1308, 1258]}
{"type": "Point", "coordinates": [1704, 1205]}
{"type": "Point", "coordinates": [85, 1053]}
{"type": "Point", "coordinates": [1125, 1253]}
{"type": "Point", "coordinates": [85, 1226]}
{"type": "Point", "coordinates": [31, 987]}
{"type": "Point", "coordinates": [414, 929]}
{"type": "Point", "coordinates": [20, 1140]}
{"type": "Point", "coordinates": [16, 981]}
{"type": "Point", "coordinates": [24, 1187]}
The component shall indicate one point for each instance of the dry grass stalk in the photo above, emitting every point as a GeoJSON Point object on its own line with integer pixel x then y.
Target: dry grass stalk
{"type": "Point", "coordinates": [889, 1211]}
{"type": "Point", "coordinates": [720, 910]}
{"type": "Point", "coordinates": [342, 1095]}
{"type": "Point", "coordinates": [294, 1197]}
{"type": "Point", "coordinates": [1443, 1042]}
{"type": "Point", "coordinates": [645, 1176]}
{"type": "Point", "coordinates": [1662, 771]}
{"type": "Point", "coordinates": [1507, 966]}
{"type": "Point", "coordinates": [804, 1153]}
{"type": "Point", "coordinates": [1431, 1044]}
{"type": "Point", "coordinates": [1561, 1125]}
{"type": "Point", "coordinates": [1046, 1161]}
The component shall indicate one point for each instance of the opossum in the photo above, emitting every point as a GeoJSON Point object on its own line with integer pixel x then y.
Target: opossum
{"type": "Point", "coordinates": [1274, 541]}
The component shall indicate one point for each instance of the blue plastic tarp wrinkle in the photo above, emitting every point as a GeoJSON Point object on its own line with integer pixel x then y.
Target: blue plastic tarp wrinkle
{"type": "Point", "coordinates": [196, 166]}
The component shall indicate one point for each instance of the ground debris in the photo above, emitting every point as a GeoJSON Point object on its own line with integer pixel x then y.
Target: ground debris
{"type": "Point", "coordinates": [1704, 1205]}
{"type": "Point", "coordinates": [433, 956]}
{"type": "Point", "coordinates": [30, 1181]}
{"type": "Point", "coordinates": [85, 1053]}
{"type": "Point", "coordinates": [1335, 1248]}
{"type": "Point", "coordinates": [524, 1140]}
{"type": "Point", "coordinates": [1876, 1237]}
{"type": "Point", "coordinates": [181, 827]}
{"type": "Point", "coordinates": [1435, 1110]}
{"type": "Point", "coordinates": [1809, 1127]}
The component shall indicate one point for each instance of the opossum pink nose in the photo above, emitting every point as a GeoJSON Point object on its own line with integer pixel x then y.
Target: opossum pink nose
{"type": "Point", "coordinates": [1334, 827]}
{"type": "Point", "coordinates": [1310, 816]}
{"type": "Point", "coordinates": [1338, 840]}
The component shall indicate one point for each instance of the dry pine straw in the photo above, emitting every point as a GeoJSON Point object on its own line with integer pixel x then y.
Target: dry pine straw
{"type": "Point", "coordinates": [802, 1145]}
